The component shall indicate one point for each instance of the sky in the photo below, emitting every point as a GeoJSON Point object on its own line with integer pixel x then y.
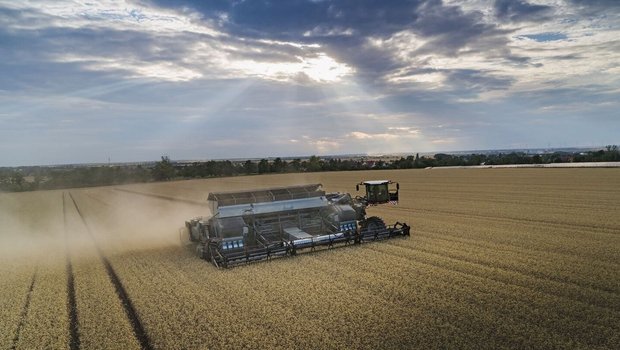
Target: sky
{"type": "Point", "coordinates": [87, 81]}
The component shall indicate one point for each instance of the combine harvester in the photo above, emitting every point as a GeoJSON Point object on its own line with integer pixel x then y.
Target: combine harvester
{"type": "Point", "coordinates": [258, 225]}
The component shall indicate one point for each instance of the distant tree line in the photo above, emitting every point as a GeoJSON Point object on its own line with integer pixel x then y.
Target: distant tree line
{"type": "Point", "coordinates": [214, 168]}
{"type": "Point", "coordinates": [44, 178]}
{"type": "Point", "coordinates": [48, 178]}
{"type": "Point", "coordinates": [609, 154]}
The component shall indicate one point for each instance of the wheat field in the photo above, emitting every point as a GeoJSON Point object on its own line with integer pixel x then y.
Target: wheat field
{"type": "Point", "coordinates": [497, 258]}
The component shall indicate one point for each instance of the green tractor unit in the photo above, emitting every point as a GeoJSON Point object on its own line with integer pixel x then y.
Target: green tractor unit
{"type": "Point", "coordinates": [380, 192]}
{"type": "Point", "coordinates": [248, 226]}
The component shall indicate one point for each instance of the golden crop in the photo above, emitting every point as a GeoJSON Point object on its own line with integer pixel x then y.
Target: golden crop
{"type": "Point", "coordinates": [46, 318]}
{"type": "Point", "coordinates": [498, 258]}
{"type": "Point", "coordinates": [14, 286]}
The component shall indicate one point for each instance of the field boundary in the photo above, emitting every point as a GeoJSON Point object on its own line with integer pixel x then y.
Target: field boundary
{"type": "Point", "coordinates": [128, 307]}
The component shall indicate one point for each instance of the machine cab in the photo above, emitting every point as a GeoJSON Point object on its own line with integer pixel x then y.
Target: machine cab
{"type": "Point", "coordinates": [380, 191]}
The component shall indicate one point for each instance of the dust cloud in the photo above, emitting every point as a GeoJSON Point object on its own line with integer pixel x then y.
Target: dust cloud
{"type": "Point", "coordinates": [112, 221]}
{"type": "Point", "coordinates": [47, 225]}
{"type": "Point", "coordinates": [31, 226]}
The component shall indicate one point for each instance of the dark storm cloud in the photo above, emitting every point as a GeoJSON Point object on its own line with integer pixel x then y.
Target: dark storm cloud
{"type": "Point", "coordinates": [342, 28]}
{"type": "Point", "coordinates": [521, 11]}
{"type": "Point", "coordinates": [371, 63]}
{"type": "Point", "coordinates": [345, 21]}
{"type": "Point", "coordinates": [290, 19]}
{"type": "Point", "coordinates": [208, 6]}
{"type": "Point", "coordinates": [609, 4]}
{"type": "Point", "coordinates": [449, 29]}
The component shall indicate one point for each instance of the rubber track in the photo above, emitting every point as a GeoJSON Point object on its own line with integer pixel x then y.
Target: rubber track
{"type": "Point", "coordinates": [130, 311]}
{"type": "Point", "coordinates": [161, 196]}
{"type": "Point", "coordinates": [74, 335]}
{"type": "Point", "coordinates": [24, 313]}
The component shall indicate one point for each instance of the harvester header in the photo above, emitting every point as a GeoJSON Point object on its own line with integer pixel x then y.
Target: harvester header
{"type": "Point", "coordinates": [255, 225]}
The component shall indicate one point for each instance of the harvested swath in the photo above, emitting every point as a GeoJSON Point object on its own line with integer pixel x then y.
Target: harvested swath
{"type": "Point", "coordinates": [232, 314]}
{"type": "Point", "coordinates": [24, 313]}
{"type": "Point", "coordinates": [15, 286]}
{"type": "Point", "coordinates": [126, 302]}
{"type": "Point", "coordinates": [36, 230]}
{"type": "Point", "coordinates": [45, 322]}
{"type": "Point", "coordinates": [101, 320]}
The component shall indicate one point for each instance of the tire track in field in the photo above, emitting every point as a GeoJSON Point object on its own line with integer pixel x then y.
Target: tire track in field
{"type": "Point", "coordinates": [602, 322]}
{"type": "Point", "coordinates": [535, 274]}
{"type": "Point", "coordinates": [610, 305]}
{"type": "Point", "coordinates": [507, 247]}
{"type": "Point", "coordinates": [537, 237]}
{"type": "Point", "coordinates": [74, 335]}
{"type": "Point", "coordinates": [469, 275]}
{"type": "Point", "coordinates": [128, 307]}
{"type": "Point", "coordinates": [614, 230]}
{"type": "Point", "coordinates": [379, 274]}
{"type": "Point", "coordinates": [24, 314]}
{"type": "Point", "coordinates": [90, 195]}
{"type": "Point", "coordinates": [161, 196]}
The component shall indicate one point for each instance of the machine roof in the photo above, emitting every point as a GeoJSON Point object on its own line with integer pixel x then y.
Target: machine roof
{"type": "Point", "coordinates": [266, 195]}
{"type": "Point", "coordinates": [225, 211]}
{"type": "Point", "coordinates": [376, 182]}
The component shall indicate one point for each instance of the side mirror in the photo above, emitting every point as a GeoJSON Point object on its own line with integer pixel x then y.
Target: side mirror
{"type": "Point", "coordinates": [357, 187]}
{"type": "Point", "coordinates": [397, 186]}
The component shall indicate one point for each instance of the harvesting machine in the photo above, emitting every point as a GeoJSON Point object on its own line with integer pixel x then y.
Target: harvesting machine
{"type": "Point", "coordinates": [255, 225]}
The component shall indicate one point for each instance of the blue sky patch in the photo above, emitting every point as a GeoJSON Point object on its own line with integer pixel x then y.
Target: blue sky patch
{"type": "Point", "coordinates": [544, 37]}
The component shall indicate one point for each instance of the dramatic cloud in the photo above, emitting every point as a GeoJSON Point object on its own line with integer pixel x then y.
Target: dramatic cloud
{"type": "Point", "coordinates": [521, 11]}
{"type": "Point", "coordinates": [131, 80]}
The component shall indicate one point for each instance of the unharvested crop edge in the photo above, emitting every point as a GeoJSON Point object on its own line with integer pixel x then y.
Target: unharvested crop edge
{"type": "Point", "coordinates": [507, 218]}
